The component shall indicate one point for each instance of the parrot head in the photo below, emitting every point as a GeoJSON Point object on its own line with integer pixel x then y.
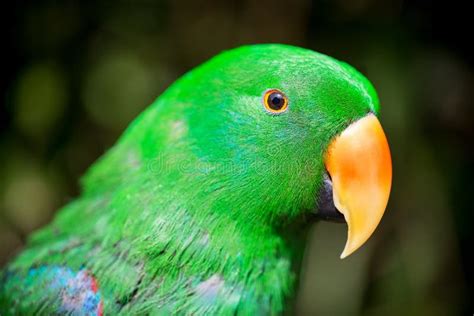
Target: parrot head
{"type": "Point", "coordinates": [271, 133]}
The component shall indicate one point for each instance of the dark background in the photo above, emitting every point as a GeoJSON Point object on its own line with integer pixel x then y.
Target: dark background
{"type": "Point", "coordinates": [76, 73]}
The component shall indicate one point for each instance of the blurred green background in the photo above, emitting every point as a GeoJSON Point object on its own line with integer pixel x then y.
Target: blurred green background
{"type": "Point", "coordinates": [77, 72]}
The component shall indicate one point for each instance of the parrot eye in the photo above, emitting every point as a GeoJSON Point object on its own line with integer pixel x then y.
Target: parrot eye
{"type": "Point", "coordinates": [275, 101]}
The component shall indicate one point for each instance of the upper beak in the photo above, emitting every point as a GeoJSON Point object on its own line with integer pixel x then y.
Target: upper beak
{"type": "Point", "coordinates": [359, 164]}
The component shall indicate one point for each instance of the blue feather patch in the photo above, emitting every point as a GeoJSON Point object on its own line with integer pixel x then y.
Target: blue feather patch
{"type": "Point", "coordinates": [78, 292]}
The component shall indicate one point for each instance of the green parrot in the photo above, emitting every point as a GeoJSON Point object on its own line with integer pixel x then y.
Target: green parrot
{"type": "Point", "coordinates": [202, 206]}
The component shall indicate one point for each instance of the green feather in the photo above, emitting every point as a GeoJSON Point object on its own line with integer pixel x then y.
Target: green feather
{"type": "Point", "coordinates": [201, 206]}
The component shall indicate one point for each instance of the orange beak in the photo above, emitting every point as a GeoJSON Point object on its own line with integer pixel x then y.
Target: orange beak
{"type": "Point", "coordinates": [360, 166]}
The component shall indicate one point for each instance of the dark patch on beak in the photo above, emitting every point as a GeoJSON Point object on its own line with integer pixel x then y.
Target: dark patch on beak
{"type": "Point", "coordinates": [325, 207]}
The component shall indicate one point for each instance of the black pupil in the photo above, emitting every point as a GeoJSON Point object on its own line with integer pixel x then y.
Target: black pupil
{"type": "Point", "coordinates": [276, 101]}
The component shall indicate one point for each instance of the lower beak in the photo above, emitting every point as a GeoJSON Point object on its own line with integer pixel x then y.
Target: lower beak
{"type": "Point", "coordinates": [359, 164]}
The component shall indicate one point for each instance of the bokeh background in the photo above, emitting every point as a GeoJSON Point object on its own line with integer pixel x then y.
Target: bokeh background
{"type": "Point", "coordinates": [76, 73]}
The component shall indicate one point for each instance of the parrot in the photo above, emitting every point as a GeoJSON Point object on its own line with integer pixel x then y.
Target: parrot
{"type": "Point", "coordinates": [203, 205]}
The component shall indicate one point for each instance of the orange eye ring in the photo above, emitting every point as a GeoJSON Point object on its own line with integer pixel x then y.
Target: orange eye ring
{"type": "Point", "coordinates": [275, 101]}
